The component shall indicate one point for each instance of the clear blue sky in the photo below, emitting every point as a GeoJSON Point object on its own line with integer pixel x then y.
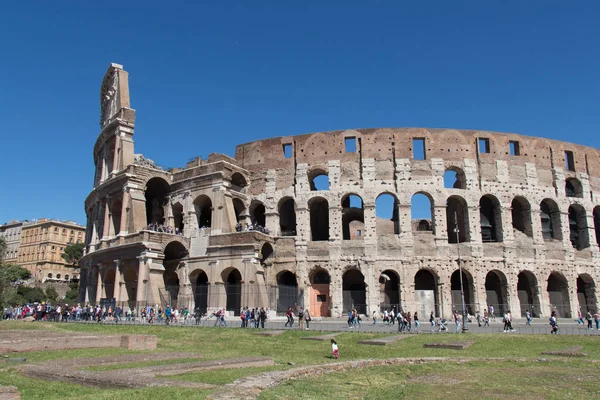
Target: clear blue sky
{"type": "Point", "coordinates": [206, 77]}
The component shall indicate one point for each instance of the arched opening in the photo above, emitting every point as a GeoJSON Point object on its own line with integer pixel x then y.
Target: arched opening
{"type": "Point", "coordinates": [550, 218]}
{"type": "Point", "coordinates": [109, 283]}
{"type": "Point", "coordinates": [257, 214]}
{"type": "Point", "coordinates": [573, 188]}
{"type": "Point", "coordinates": [454, 178]}
{"type": "Point", "coordinates": [131, 281]}
{"type": "Point", "coordinates": [266, 254]}
{"type": "Point", "coordinates": [578, 231]}
{"type": "Point", "coordinates": [50, 275]}
{"type": "Point", "coordinates": [353, 217]}
{"type": "Point", "coordinates": [597, 224]}
{"type": "Point", "coordinates": [319, 293]}
{"type": "Point", "coordinates": [586, 294]}
{"type": "Point", "coordinates": [319, 219]}
{"type": "Point", "coordinates": [354, 291]}
{"type": "Point", "coordinates": [233, 291]}
{"type": "Point", "coordinates": [318, 179]}
{"type": "Point", "coordinates": [386, 212]}
{"type": "Point", "coordinates": [421, 209]}
{"type": "Point", "coordinates": [527, 290]}
{"type": "Point", "coordinates": [201, 291]}
{"type": "Point", "coordinates": [156, 198]}
{"type": "Point", "coordinates": [287, 217]}
{"type": "Point", "coordinates": [469, 291]}
{"type": "Point", "coordinates": [389, 288]}
{"type": "Point", "coordinates": [174, 252]}
{"type": "Point", "coordinates": [115, 211]}
{"type": "Point", "coordinates": [496, 288]}
{"type": "Point", "coordinates": [238, 182]}
{"type": "Point", "coordinates": [203, 208]}
{"type": "Point", "coordinates": [57, 276]}
{"type": "Point", "coordinates": [558, 293]}
{"type": "Point", "coordinates": [426, 293]}
{"type": "Point", "coordinates": [490, 219]}
{"type": "Point", "coordinates": [178, 217]}
{"type": "Point", "coordinates": [521, 215]}
{"type": "Point", "coordinates": [457, 216]}
{"type": "Point", "coordinates": [240, 212]}
{"type": "Point", "coordinates": [287, 288]}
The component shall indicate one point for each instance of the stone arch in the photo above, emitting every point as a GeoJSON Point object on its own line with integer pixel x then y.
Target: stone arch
{"type": "Point", "coordinates": [320, 298]}
{"type": "Point", "coordinates": [232, 280]}
{"type": "Point", "coordinates": [521, 215]}
{"type": "Point", "coordinates": [203, 207]}
{"type": "Point", "coordinates": [238, 182]}
{"type": "Point", "coordinates": [558, 293]}
{"type": "Point", "coordinates": [527, 290]}
{"type": "Point", "coordinates": [287, 291]}
{"type": "Point", "coordinates": [200, 288]}
{"type": "Point", "coordinates": [454, 178]}
{"type": "Point", "coordinates": [240, 209]}
{"type": "Point", "coordinates": [174, 251]}
{"type": "Point", "coordinates": [116, 208]}
{"type": "Point", "coordinates": [426, 292]}
{"type": "Point", "coordinates": [421, 208]}
{"type": "Point", "coordinates": [287, 217]}
{"type": "Point", "coordinates": [389, 288]}
{"type": "Point", "coordinates": [496, 288]}
{"type": "Point", "coordinates": [387, 216]}
{"type": "Point", "coordinates": [586, 294]}
{"type": "Point", "coordinates": [469, 291]}
{"type": "Point", "coordinates": [178, 217]}
{"type": "Point", "coordinates": [456, 209]}
{"type": "Point", "coordinates": [108, 281]}
{"type": "Point", "coordinates": [319, 219]}
{"type": "Point", "coordinates": [490, 215]}
{"type": "Point", "coordinates": [130, 277]}
{"type": "Point", "coordinates": [318, 179]}
{"type": "Point", "coordinates": [353, 217]}
{"type": "Point", "coordinates": [550, 220]}
{"type": "Point", "coordinates": [266, 254]}
{"type": "Point", "coordinates": [354, 291]}
{"type": "Point", "coordinates": [596, 214]}
{"type": "Point", "coordinates": [257, 213]}
{"type": "Point", "coordinates": [578, 230]}
{"type": "Point", "coordinates": [156, 192]}
{"type": "Point", "coordinates": [573, 188]}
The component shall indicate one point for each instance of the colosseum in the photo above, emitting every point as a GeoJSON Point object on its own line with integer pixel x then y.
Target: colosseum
{"type": "Point", "coordinates": [298, 220]}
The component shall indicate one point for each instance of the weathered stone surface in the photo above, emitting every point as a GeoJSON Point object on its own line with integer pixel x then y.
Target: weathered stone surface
{"type": "Point", "coordinates": [450, 345]}
{"type": "Point", "coordinates": [321, 337]}
{"type": "Point", "coordinates": [384, 341]}
{"type": "Point", "coordinates": [9, 393]}
{"type": "Point", "coordinates": [574, 351]}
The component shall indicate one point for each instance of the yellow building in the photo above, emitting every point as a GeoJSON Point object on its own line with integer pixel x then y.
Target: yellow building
{"type": "Point", "coordinates": [42, 245]}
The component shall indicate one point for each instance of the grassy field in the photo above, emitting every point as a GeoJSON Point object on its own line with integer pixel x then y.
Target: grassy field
{"type": "Point", "coordinates": [504, 378]}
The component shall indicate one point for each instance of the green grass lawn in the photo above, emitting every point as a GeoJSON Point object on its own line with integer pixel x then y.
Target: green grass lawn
{"type": "Point", "coordinates": [480, 379]}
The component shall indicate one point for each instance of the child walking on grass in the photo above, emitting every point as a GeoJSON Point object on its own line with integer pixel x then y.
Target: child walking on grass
{"type": "Point", "coordinates": [334, 348]}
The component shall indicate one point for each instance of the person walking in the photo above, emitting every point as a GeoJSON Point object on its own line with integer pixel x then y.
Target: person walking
{"type": "Point", "coordinates": [334, 349]}
{"type": "Point", "coordinates": [528, 318]}
{"type": "Point", "coordinates": [432, 321]}
{"type": "Point", "coordinates": [374, 317]}
{"type": "Point", "coordinates": [307, 318]}
{"type": "Point", "coordinates": [417, 324]}
{"type": "Point", "coordinates": [579, 318]}
{"type": "Point", "coordinates": [457, 321]}
{"type": "Point", "coordinates": [588, 318]}
{"type": "Point", "coordinates": [301, 319]}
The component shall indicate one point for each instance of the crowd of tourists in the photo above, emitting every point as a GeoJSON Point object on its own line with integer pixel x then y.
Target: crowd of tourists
{"type": "Point", "coordinates": [153, 226]}
{"type": "Point", "coordinates": [251, 227]}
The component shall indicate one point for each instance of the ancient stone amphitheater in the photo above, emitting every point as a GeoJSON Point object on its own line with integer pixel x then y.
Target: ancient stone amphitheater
{"type": "Point", "coordinates": [327, 221]}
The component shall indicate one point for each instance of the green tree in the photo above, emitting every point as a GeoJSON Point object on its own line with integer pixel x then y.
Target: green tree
{"type": "Point", "coordinates": [73, 253]}
{"type": "Point", "coordinates": [72, 294]}
{"type": "Point", "coordinates": [52, 294]}
{"type": "Point", "coordinates": [10, 277]}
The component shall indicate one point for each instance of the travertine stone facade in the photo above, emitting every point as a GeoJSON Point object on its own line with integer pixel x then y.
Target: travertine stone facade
{"type": "Point", "coordinates": [526, 209]}
{"type": "Point", "coordinates": [11, 233]}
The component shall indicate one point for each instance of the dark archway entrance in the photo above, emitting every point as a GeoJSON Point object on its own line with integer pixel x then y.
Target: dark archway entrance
{"type": "Point", "coordinates": [287, 217]}
{"type": "Point", "coordinates": [527, 289]}
{"type": "Point", "coordinates": [426, 293]}
{"type": "Point", "coordinates": [287, 291]}
{"type": "Point", "coordinates": [174, 252]}
{"type": "Point", "coordinates": [109, 283]}
{"type": "Point", "coordinates": [354, 291]}
{"type": "Point", "coordinates": [469, 292]}
{"type": "Point", "coordinates": [389, 288]}
{"type": "Point", "coordinates": [496, 288]}
{"type": "Point", "coordinates": [319, 219]}
{"type": "Point", "coordinates": [558, 292]}
{"type": "Point", "coordinates": [233, 291]}
{"type": "Point", "coordinates": [201, 292]}
{"type": "Point", "coordinates": [586, 293]}
{"type": "Point", "coordinates": [156, 192]}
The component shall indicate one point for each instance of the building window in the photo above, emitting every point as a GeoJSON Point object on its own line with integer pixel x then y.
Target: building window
{"type": "Point", "coordinates": [418, 149]}
{"type": "Point", "coordinates": [514, 148]}
{"type": "Point", "coordinates": [484, 145]}
{"type": "Point", "coordinates": [569, 161]}
{"type": "Point", "coordinates": [287, 150]}
{"type": "Point", "coordinates": [350, 143]}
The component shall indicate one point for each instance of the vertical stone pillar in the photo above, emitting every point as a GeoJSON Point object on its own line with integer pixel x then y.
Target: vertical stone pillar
{"type": "Point", "coordinates": [336, 293]}
{"type": "Point", "coordinates": [508, 234]}
{"type": "Point", "coordinates": [118, 281]}
{"type": "Point", "coordinates": [545, 305]}
{"type": "Point", "coordinates": [565, 230]}
{"type": "Point", "coordinates": [591, 231]}
{"type": "Point", "coordinates": [142, 280]}
{"type": "Point", "coordinates": [104, 174]}
{"type": "Point", "coordinates": [302, 224]}
{"type": "Point", "coordinates": [405, 220]}
{"type": "Point", "coordinates": [116, 155]}
{"type": "Point", "coordinates": [474, 225]}
{"type": "Point", "coordinates": [110, 227]}
{"type": "Point", "coordinates": [272, 221]}
{"type": "Point", "coordinates": [573, 298]}
{"type": "Point", "coordinates": [168, 210]}
{"type": "Point", "coordinates": [125, 210]}
{"type": "Point", "coordinates": [335, 223]}
{"type": "Point", "coordinates": [191, 226]}
{"type": "Point", "coordinates": [99, 283]}
{"type": "Point", "coordinates": [445, 298]}
{"type": "Point", "coordinates": [218, 211]}
{"type": "Point", "coordinates": [536, 224]}
{"type": "Point", "coordinates": [370, 222]}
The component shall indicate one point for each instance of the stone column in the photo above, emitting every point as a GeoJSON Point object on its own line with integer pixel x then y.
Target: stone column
{"type": "Point", "coordinates": [335, 223]}
{"type": "Point", "coordinates": [142, 280]}
{"type": "Point", "coordinates": [444, 298]}
{"type": "Point", "coordinates": [111, 225]}
{"type": "Point", "coordinates": [303, 224]}
{"type": "Point", "coordinates": [272, 221]}
{"type": "Point", "coordinates": [566, 232]}
{"type": "Point", "coordinates": [372, 289]}
{"type": "Point", "coordinates": [545, 304]}
{"type": "Point", "coordinates": [191, 227]}
{"type": "Point", "coordinates": [370, 222]}
{"type": "Point", "coordinates": [99, 284]}
{"type": "Point", "coordinates": [118, 280]}
{"type": "Point", "coordinates": [106, 229]}
{"type": "Point", "coordinates": [104, 174]}
{"type": "Point", "coordinates": [125, 210]}
{"type": "Point", "coordinates": [508, 234]}
{"type": "Point", "coordinates": [536, 224]}
{"type": "Point", "coordinates": [591, 231]}
{"type": "Point", "coordinates": [336, 293]}
{"type": "Point", "coordinates": [116, 155]}
{"type": "Point", "coordinates": [405, 219]}
{"type": "Point", "coordinates": [218, 211]}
